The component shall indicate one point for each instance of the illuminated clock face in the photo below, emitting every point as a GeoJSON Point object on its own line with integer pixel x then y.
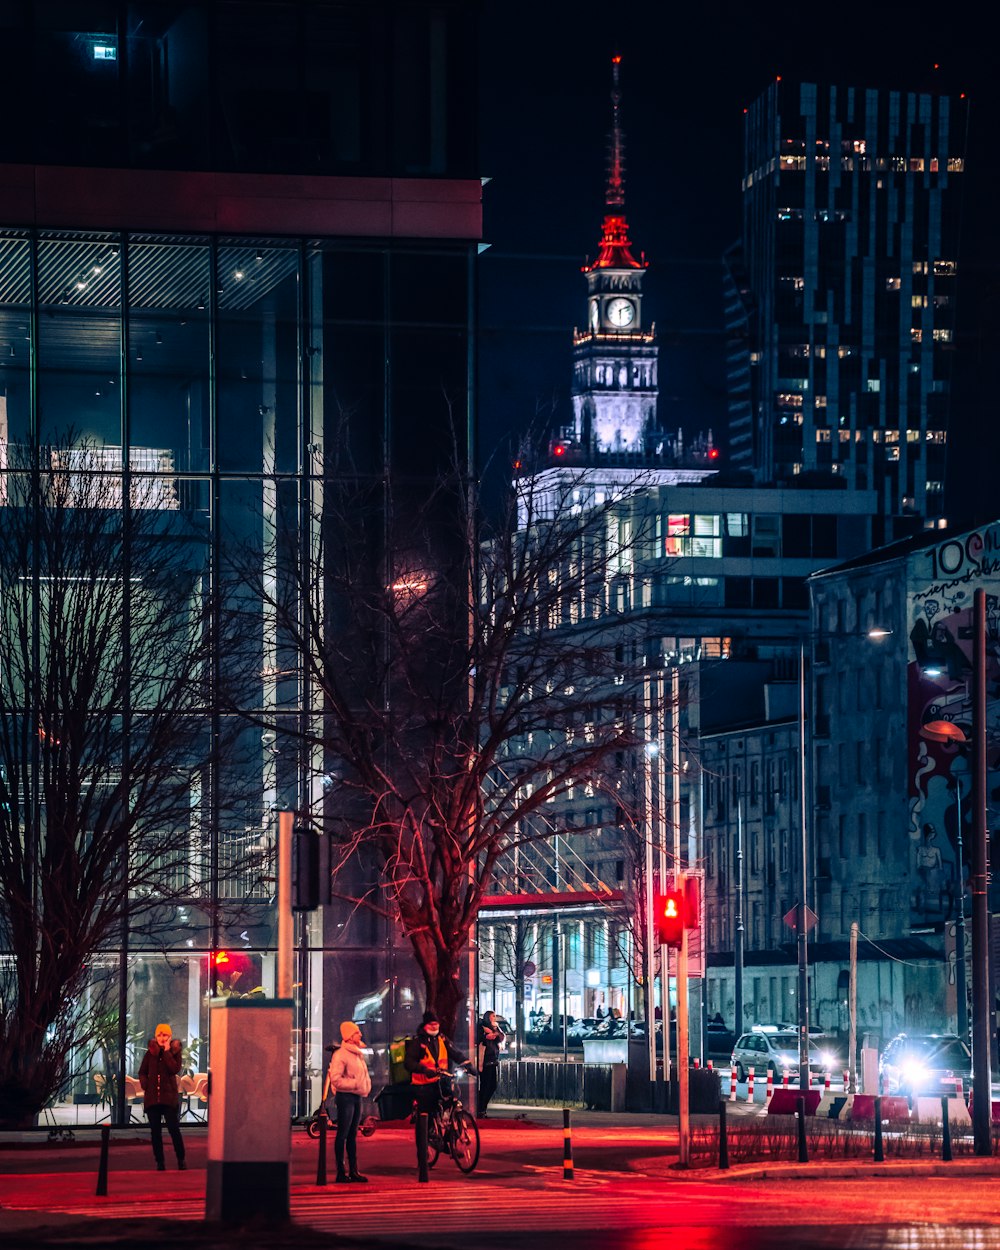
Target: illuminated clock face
{"type": "Point", "coordinates": [594, 314]}
{"type": "Point", "coordinates": [620, 312]}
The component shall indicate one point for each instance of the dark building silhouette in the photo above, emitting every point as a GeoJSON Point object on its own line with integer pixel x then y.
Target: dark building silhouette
{"type": "Point", "coordinates": [840, 300]}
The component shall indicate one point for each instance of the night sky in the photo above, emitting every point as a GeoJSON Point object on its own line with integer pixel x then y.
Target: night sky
{"type": "Point", "coordinates": [688, 71]}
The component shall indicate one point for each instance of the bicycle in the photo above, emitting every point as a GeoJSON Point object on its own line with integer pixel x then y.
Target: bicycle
{"type": "Point", "coordinates": [453, 1130]}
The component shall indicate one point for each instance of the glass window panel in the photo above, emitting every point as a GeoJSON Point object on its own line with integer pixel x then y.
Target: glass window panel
{"type": "Point", "coordinates": [260, 120]}
{"type": "Point", "coordinates": [428, 399]}
{"type": "Point", "coordinates": [15, 350]}
{"type": "Point", "coordinates": [79, 341]}
{"type": "Point", "coordinates": [77, 42]}
{"type": "Point", "coordinates": [167, 87]}
{"type": "Point", "coordinates": [257, 354]}
{"type": "Point", "coordinates": [168, 351]}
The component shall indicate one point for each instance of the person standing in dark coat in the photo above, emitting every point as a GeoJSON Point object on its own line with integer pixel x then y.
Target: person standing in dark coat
{"type": "Point", "coordinates": [158, 1078]}
{"type": "Point", "coordinates": [490, 1039]}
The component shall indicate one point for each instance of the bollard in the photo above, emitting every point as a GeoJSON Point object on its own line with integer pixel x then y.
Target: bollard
{"type": "Point", "coordinates": [423, 1175]}
{"type": "Point", "coordinates": [102, 1167]}
{"type": "Point", "coordinates": [709, 1065]}
{"type": "Point", "coordinates": [321, 1158]}
{"type": "Point", "coordinates": [847, 1080]}
{"type": "Point", "coordinates": [800, 1111]}
{"type": "Point", "coordinates": [784, 1079]}
{"type": "Point", "coordinates": [826, 1086]}
{"type": "Point", "coordinates": [723, 1137]}
{"type": "Point", "coordinates": [697, 1063]}
{"type": "Point", "coordinates": [945, 1130]}
{"type": "Point", "coordinates": [770, 1085]}
{"type": "Point", "coordinates": [567, 1147]}
{"type": "Point", "coordinates": [959, 1088]}
{"type": "Point", "coordinates": [750, 1075]}
{"type": "Point", "coordinates": [732, 1084]}
{"type": "Point", "coordinates": [879, 1152]}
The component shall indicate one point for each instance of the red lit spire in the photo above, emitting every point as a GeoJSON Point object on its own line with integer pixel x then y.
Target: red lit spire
{"type": "Point", "coordinates": [615, 251]}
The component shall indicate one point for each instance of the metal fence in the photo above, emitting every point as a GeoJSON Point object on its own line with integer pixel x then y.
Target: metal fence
{"type": "Point", "coordinates": [541, 1081]}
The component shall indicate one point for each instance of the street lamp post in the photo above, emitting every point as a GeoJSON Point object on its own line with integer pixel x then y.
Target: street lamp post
{"type": "Point", "coordinates": [800, 916]}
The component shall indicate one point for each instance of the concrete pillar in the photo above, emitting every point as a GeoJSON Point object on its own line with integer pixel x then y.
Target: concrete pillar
{"type": "Point", "coordinates": [249, 1122]}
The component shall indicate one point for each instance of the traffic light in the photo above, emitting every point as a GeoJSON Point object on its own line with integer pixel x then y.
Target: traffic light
{"type": "Point", "coordinates": [670, 918]}
{"type": "Point", "coordinates": [305, 869]}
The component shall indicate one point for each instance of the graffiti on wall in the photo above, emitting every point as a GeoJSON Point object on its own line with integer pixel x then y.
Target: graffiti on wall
{"type": "Point", "coordinates": [941, 584]}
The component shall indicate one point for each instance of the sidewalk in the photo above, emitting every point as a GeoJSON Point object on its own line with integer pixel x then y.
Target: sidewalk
{"type": "Point", "coordinates": [48, 1198]}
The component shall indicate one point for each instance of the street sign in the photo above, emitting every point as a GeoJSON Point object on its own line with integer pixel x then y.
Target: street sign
{"type": "Point", "coordinates": [529, 969]}
{"type": "Point", "coordinates": [791, 918]}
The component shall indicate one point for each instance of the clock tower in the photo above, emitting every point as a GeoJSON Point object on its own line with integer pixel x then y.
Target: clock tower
{"type": "Point", "coordinates": [614, 358]}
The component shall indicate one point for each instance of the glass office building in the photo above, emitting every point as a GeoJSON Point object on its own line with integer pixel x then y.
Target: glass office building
{"type": "Point", "coordinates": [206, 277]}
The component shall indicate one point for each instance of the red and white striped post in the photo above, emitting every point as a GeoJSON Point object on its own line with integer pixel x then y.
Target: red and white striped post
{"type": "Point", "coordinates": [697, 1063]}
{"type": "Point", "coordinates": [708, 1064]}
{"type": "Point", "coordinates": [784, 1079]}
{"type": "Point", "coordinates": [732, 1083]}
{"type": "Point", "coordinates": [847, 1080]}
{"type": "Point", "coordinates": [770, 1085]}
{"type": "Point", "coordinates": [826, 1086]}
{"type": "Point", "coordinates": [750, 1076]}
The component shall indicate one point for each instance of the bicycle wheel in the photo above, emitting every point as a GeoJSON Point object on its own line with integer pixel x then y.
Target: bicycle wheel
{"type": "Point", "coordinates": [463, 1141]}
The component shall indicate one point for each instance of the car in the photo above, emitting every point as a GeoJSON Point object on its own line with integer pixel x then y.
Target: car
{"type": "Point", "coordinates": [767, 1049]}
{"type": "Point", "coordinates": [764, 1050]}
{"type": "Point", "coordinates": [929, 1064]}
{"type": "Point", "coordinates": [582, 1028]}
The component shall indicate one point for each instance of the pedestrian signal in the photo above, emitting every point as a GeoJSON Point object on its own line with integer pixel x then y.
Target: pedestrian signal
{"type": "Point", "coordinates": [670, 918]}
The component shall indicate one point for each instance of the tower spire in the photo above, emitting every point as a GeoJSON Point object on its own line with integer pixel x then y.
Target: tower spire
{"type": "Point", "coordinates": [614, 195]}
{"type": "Point", "coordinates": [615, 250]}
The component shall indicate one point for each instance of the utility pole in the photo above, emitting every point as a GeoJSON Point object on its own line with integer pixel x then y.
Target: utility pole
{"type": "Point", "coordinates": [740, 930]}
{"type": "Point", "coordinates": [684, 1114]}
{"type": "Point", "coordinates": [852, 1007]}
{"type": "Point", "coordinates": [801, 912]}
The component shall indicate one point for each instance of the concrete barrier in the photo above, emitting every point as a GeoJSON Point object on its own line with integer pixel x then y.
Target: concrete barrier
{"type": "Point", "coordinates": [928, 1111]}
{"type": "Point", "coordinates": [785, 1101]}
{"type": "Point", "coordinates": [893, 1109]}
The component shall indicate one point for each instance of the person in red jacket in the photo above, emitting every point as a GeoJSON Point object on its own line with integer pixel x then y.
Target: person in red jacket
{"type": "Point", "coordinates": [158, 1078]}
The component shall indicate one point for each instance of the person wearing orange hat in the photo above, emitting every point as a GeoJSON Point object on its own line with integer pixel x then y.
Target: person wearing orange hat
{"type": "Point", "coordinates": [350, 1081]}
{"type": "Point", "coordinates": [158, 1078]}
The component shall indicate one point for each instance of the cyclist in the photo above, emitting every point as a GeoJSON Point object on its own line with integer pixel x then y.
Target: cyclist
{"type": "Point", "coordinates": [429, 1058]}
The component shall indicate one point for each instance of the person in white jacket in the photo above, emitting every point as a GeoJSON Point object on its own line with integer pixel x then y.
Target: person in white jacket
{"type": "Point", "coordinates": [350, 1081]}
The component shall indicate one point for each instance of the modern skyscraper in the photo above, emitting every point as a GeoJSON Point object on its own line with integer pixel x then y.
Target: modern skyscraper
{"type": "Point", "coordinates": [840, 303]}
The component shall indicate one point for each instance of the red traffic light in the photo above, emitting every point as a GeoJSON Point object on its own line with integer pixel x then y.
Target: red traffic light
{"type": "Point", "coordinates": [670, 918]}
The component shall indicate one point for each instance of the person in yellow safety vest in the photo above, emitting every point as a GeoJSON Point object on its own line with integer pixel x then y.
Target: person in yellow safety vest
{"type": "Point", "coordinates": [430, 1059]}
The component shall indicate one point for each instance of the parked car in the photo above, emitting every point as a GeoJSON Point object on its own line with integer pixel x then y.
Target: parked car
{"type": "Point", "coordinates": [924, 1063]}
{"type": "Point", "coordinates": [766, 1049]}
{"type": "Point", "coordinates": [582, 1028]}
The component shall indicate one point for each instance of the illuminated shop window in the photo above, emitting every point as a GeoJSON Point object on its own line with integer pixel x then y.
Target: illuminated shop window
{"type": "Point", "coordinates": [944, 268]}
{"type": "Point", "coordinates": [892, 284]}
{"type": "Point", "coordinates": [956, 165]}
{"type": "Point", "coordinates": [918, 301]}
{"type": "Point", "coordinates": [913, 436]}
{"type": "Point", "coordinates": [937, 436]}
{"type": "Point", "coordinates": [942, 336]}
{"type": "Point", "coordinates": [920, 266]}
{"type": "Point", "coordinates": [916, 336]}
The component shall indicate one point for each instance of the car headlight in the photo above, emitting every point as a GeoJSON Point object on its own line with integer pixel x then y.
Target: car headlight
{"type": "Point", "coordinates": [827, 1059]}
{"type": "Point", "coordinates": [789, 1061]}
{"type": "Point", "coordinates": [914, 1073]}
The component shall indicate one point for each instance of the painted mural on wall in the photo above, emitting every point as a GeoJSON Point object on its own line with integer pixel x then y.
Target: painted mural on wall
{"type": "Point", "coordinates": [941, 583]}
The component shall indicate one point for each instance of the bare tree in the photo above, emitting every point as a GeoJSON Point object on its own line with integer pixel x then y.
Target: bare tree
{"type": "Point", "coordinates": [468, 673]}
{"type": "Point", "coordinates": [106, 648]}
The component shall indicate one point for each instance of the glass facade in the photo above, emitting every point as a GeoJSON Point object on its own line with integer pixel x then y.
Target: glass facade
{"type": "Point", "coordinates": [197, 380]}
{"type": "Point", "coordinates": [364, 87]}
